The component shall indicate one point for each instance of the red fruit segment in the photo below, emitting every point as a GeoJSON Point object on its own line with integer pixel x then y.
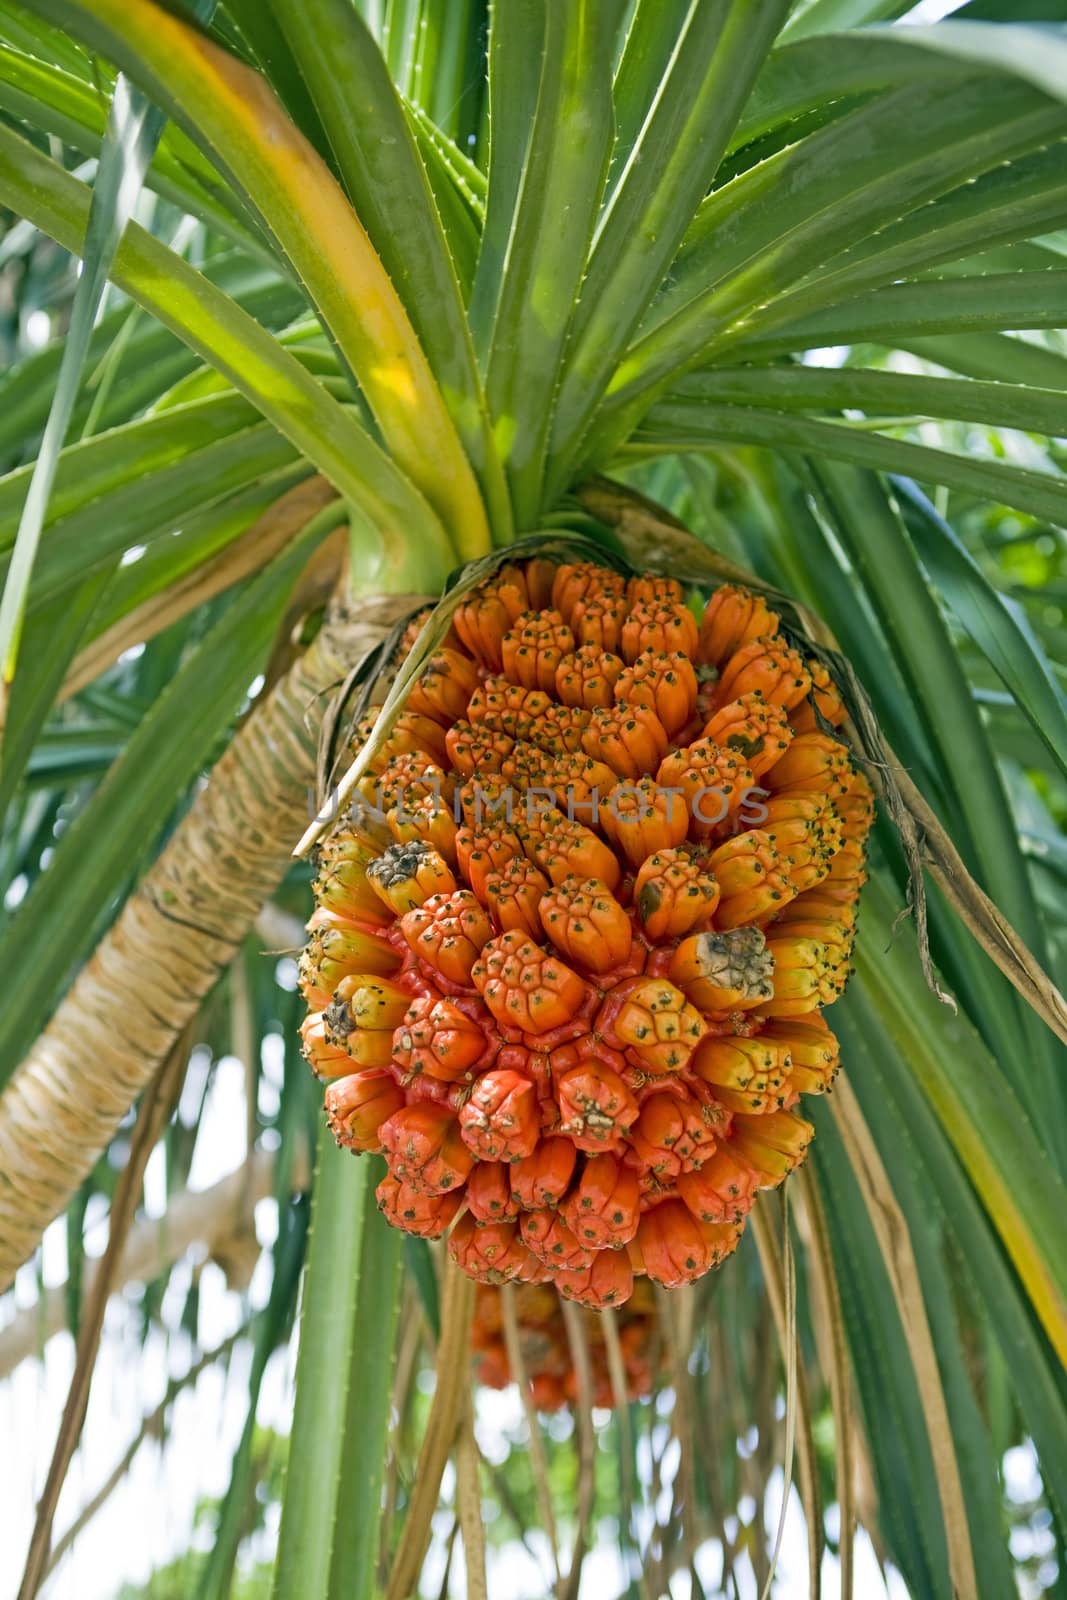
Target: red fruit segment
{"type": "Point", "coordinates": [665, 683]}
{"type": "Point", "coordinates": [595, 1106]}
{"type": "Point", "coordinates": [542, 1178]}
{"type": "Point", "coordinates": [424, 1149]}
{"type": "Point", "coordinates": [605, 1207]}
{"type": "Point", "coordinates": [643, 818]}
{"type": "Point", "coordinates": [772, 1145]}
{"type": "Point", "coordinates": [500, 1121]}
{"type": "Point", "coordinates": [444, 686]}
{"type": "Point", "coordinates": [631, 740]}
{"type": "Point", "coordinates": [548, 1237]}
{"type": "Point", "coordinates": [578, 580]}
{"type": "Point", "coordinates": [733, 617]}
{"type": "Point", "coordinates": [661, 626]}
{"type": "Point", "coordinates": [722, 1190]}
{"type": "Point", "coordinates": [715, 786]}
{"type": "Point", "coordinates": [427, 1215]}
{"type": "Point", "coordinates": [654, 1018]}
{"type": "Point", "coordinates": [607, 1281]}
{"type": "Point", "coordinates": [492, 1253]}
{"type": "Point", "coordinates": [674, 893]}
{"type": "Point", "coordinates": [514, 895]}
{"type": "Point", "coordinates": [534, 648]}
{"type": "Point", "coordinates": [767, 665]}
{"type": "Point", "coordinates": [671, 1136]}
{"type": "Point", "coordinates": [560, 846]}
{"type": "Point", "coordinates": [753, 729]}
{"type": "Point", "coordinates": [753, 880]}
{"type": "Point", "coordinates": [676, 1248]}
{"type": "Point", "coordinates": [436, 1037]}
{"type": "Point", "coordinates": [825, 697]}
{"type": "Point", "coordinates": [357, 1106]}
{"type": "Point", "coordinates": [588, 677]}
{"type": "Point", "coordinates": [523, 987]}
{"type": "Point", "coordinates": [813, 761]}
{"type": "Point", "coordinates": [408, 874]}
{"type": "Point", "coordinates": [448, 933]}
{"type": "Point", "coordinates": [585, 921]}
{"type": "Point", "coordinates": [724, 971]}
{"type": "Point", "coordinates": [326, 1060]}
{"type": "Point", "coordinates": [488, 1193]}
{"type": "Point", "coordinates": [335, 949]}
{"type": "Point", "coordinates": [744, 1074]}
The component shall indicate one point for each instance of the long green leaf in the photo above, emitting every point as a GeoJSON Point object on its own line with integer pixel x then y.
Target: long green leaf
{"type": "Point", "coordinates": [915, 310]}
{"type": "Point", "coordinates": [233, 343]}
{"type": "Point", "coordinates": [680, 428]}
{"type": "Point", "coordinates": [133, 130]}
{"type": "Point", "coordinates": [997, 1144]}
{"type": "Point", "coordinates": [380, 166]}
{"type": "Point", "coordinates": [233, 114]}
{"type": "Point", "coordinates": [997, 624]}
{"type": "Point", "coordinates": [879, 394]}
{"type": "Point", "coordinates": [811, 74]}
{"type": "Point", "coordinates": [564, 164]}
{"type": "Point", "coordinates": [759, 233]}
{"type": "Point", "coordinates": [152, 359]}
{"type": "Point", "coordinates": [998, 212]}
{"type": "Point", "coordinates": [327, 1546]}
{"type": "Point", "coordinates": [875, 1037]}
{"type": "Point", "coordinates": [889, 1399]}
{"type": "Point", "coordinates": [666, 175]}
{"type": "Point", "coordinates": [70, 108]}
{"type": "Point", "coordinates": [56, 925]}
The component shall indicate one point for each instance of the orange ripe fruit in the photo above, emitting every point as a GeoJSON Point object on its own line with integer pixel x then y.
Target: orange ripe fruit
{"type": "Point", "coordinates": [500, 1121]}
{"type": "Point", "coordinates": [424, 1149]}
{"type": "Point", "coordinates": [357, 1106]}
{"type": "Point", "coordinates": [427, 1215]}
{"type": "Point", "coordinates": [675, 1247]}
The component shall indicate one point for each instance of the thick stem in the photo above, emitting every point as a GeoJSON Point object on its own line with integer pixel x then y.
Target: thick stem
{"type": "Point", "coordinates": [173, 938]}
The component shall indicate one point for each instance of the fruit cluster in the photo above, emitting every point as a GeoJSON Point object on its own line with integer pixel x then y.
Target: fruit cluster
{"type": "Point", "coordinates": [547, 1357]}
{"type": "Point", "coordinates": [567, 962]}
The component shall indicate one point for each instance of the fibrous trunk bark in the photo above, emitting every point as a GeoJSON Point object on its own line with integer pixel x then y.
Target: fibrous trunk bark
{"type": "Point", "coordinates": [173, 938]}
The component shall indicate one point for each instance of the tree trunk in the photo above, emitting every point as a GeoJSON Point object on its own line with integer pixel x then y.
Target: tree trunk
{"type": "Point", "coordinates": [173, 938]}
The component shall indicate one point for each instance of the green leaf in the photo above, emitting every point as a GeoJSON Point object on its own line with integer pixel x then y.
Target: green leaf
{"type": "Point", "coordinates": [270, 1328]}
{"type": "Point", "coordinates": [328, 1544]}
{"type": "Point", "coordinates": [669, 169]}
{"type": "Point", "coordinates": [758, 234]}
{"type": "Point", "coordinates": [56, 925]}
{"type": "Point", "coordinates": [230, 111]}
{"type": "Point", "coordinates": [910, 310]}
{"type": "Point", "coordinates": [133, 130]}
{"type": "Point", "coordinates": [827, 16]}
{"type": "Point", "coordinates": [567, 144]}
{"type": "Point", "coordinates": [998, 212]}
{"type": "Point", "coordinates": [70, 108]}
{"type": "Point", "coordinates": [152, 359]}
{"type": "Point", "coordinates": [876, 1057]}
{"type": "Point", "coordinates": [879, 394]}
{"type": "Point", "coordinates": [673, 427]}
{"type": "Point", "coordinates": [1036, 55]}
{"type": "Point", "coordinates": [994, 356]}
{"type": "Point", "coordinates": [257, 365]}
{"type": "Point", "coordinates": [996, 623]}
{"type": "Point", "coordinates": [890, 1404]}
{"type": "Point", "coordinates": [969, 1092]}
{"type": "Point", "coordinates": [812, 74]}
{"type": "Point", "coordinates": [381, 169]}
